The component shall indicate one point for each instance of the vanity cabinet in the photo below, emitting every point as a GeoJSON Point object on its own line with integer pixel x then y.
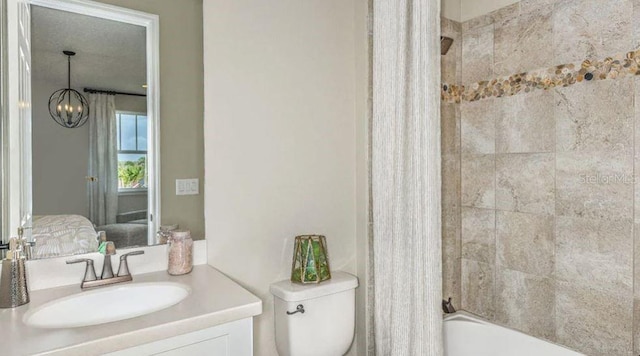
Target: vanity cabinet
{"type": "Point", "coordinates": [230, 339]}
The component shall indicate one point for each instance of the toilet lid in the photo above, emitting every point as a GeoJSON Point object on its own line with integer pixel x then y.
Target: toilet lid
{"type": "Point", "coordinates": [295, 292]}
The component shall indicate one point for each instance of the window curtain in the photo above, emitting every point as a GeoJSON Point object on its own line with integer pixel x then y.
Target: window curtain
{"type": "Point", "coordinates": [103, 160]}
{"type": "Point", "coordinates": [406, 178]}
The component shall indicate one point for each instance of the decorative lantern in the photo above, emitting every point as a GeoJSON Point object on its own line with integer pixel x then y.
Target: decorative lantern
{"type": "Point", "coordinates": [67, 107]}
{"type": "Point", "coordinates": [310, 261]}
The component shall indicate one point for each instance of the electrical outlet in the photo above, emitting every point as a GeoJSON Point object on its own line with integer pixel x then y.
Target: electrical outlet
{"type": "Point", "coordinates": [187, 186]}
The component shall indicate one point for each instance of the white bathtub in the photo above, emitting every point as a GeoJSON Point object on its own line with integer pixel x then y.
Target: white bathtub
{"type": "Point", "coordinates": [467, 335]}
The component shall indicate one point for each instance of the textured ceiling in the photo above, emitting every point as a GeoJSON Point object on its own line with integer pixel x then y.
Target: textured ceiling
{"type": "Point", "coordinates": [109, 54]}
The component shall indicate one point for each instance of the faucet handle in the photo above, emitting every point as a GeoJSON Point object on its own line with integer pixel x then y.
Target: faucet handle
{"type": "Point", "coordinates": [89, 272]}
{"type": "Point", "coordinates": [123, 269]}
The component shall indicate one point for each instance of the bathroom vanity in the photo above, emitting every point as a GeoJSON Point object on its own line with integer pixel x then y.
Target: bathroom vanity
{"type": "Point", "coordinates": [215, 318]}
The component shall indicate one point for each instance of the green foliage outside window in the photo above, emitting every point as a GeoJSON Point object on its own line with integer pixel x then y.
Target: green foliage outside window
{"type": "Point", "coordinates": [131, 174]}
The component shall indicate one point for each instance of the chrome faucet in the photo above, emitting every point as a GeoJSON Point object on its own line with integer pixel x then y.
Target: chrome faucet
{"type": "Point", "coordinates": [27, 246]}
{"type": "Point", "coordinates": [90, 279]}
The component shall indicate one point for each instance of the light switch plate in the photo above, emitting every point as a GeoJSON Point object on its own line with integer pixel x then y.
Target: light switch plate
{"type": "Point", "coordinates": [187, 186]}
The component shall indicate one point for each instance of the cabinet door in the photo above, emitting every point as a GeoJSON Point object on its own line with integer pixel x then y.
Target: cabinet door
{"type": "Point", "coordinates": [231, 339]}
{"type": "Point", "coordinates": [217, 346]}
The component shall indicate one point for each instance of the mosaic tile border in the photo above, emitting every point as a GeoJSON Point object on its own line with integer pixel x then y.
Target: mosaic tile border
{"type": "Point", "coordinates": [621, 65]}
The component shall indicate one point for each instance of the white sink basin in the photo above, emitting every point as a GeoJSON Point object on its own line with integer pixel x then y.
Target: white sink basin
{"type": "Point", "coordinates": [106, 305]}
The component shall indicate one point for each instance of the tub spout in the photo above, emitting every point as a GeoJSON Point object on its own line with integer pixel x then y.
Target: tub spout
{"type": "Point", "coordinates": [447, 306]}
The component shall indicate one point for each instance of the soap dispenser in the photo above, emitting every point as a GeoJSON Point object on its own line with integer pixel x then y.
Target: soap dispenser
{"type": "Point", "coordinates": [13, 281]}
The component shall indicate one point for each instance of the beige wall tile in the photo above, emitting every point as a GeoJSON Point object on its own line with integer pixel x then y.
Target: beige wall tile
{"type": "Point", "coordinates": [506, 15]}
{"type": "Point", "coordinates": [532, 5]}
{"type": "Point", "coordinates": [450, 63]}
{"type": "Point", "coordinates": [525, 242]}
{"type": "Point", "coordinates": [478, 126]}
{"type": "Point", "coordinates": [522, 43]}
{"type": "Point", "coordinates": [591, 29]}
{"type": "Point", "coordinates": [636, 326]}
{"type": "Point", "coordinates": [477, 22]}
{"type": "Point", "coordinates": [451, 272]}
{"type": "Point", "coordinates": [594, 322]}
{"type": "Point", "coordinates": [594, 185]}
{"type": "Point", "coordinates": [450, 181]}
{"type": "Point", "coordinates": [595, 116]}
{"type": "Point", "coordinates": [477, 54]}
{"type": "Point", "coordinates": [451, 226]}
{"type": "Point", "coordinates": [450, 27]}
{"type": "Point", "coordinates": [451, 284]}
{"type": "Point", "coordinates": [526, 302]}
{"type": "Point", "coordinates": [558, 165]}
{"type": "Point", "coordinates": [450, 127]}
{"type": "Point", "coordinates": [451, 233]}
{"type": "Point", "coordinates": [636, 262]}
{"type": "Point", "coordinates": [478, 181]}
{"type": "Point", "coordinates": [595, 253]}
{"type": "Point", "coordinates": [526, 123]}
{"type": "Point", "coordinates": [526, 182]}
{"type": "Point", "coordinates": [479, 234]}
{"type": "Point", "coordinates": [637, 148]}
{"type": "Point", "coordinates": [635, 21]}
{"type": "Point", "coordinates": [478, 287]}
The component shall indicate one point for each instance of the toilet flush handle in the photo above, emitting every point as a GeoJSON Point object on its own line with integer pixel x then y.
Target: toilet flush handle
{"type": "Point", "coordinates": [299, 309]}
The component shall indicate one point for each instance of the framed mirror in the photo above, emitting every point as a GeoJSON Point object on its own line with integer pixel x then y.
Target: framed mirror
{"type": "Point", "coordinates": [4, 227]}
{"type": "Point", "coordinates": [83, 126]}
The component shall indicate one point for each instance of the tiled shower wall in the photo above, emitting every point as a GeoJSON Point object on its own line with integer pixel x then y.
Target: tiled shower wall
{"type": "Point", "coordinates": [450, 123]}
{"type": "Point", "coordinates": [539, 195]}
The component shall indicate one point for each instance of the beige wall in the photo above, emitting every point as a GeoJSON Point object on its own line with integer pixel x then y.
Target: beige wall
{"type": "Point", "coordinates": [60, 158]}
{"type": "Point", "coordinates": [450, 9]}
{"type": "Point", "coordinates": [463, 10]}
{"type": "Point", "coordinates": [181, 106]}
{"type": "Point", "coordinates": [470, 9]}
{"type": "Point", "coordinates": [284, 127]}
{"type": "Point", "coordinates": [363, 107]}
{"type": "Point", "coordinates": [546, 181]}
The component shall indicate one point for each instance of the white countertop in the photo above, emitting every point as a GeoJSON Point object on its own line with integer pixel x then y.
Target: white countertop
{"type": "Point", "coordinates": [215, 299]}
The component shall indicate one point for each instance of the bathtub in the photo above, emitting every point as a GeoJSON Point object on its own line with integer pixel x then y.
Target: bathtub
{"type": "Point", "coordinates": [468, 335]}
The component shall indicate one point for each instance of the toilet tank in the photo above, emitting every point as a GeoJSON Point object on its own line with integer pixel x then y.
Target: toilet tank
{"type": "Point", "coordinates": [327, 326]}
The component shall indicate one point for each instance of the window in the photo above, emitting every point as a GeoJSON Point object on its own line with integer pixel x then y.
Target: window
{"type": "Point", "coordinates": [132, 151]}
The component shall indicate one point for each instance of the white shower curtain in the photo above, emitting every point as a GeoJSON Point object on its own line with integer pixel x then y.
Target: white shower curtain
{"type": "Point", "coordinates": [407, 263]}
{"type": "Point", "coordinates": [103, 160]}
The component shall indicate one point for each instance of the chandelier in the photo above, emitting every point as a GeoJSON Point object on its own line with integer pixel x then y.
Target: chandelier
{"type": "Point", "coordinates": [67, 107]}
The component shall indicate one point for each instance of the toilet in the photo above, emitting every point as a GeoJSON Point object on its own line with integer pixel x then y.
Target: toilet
{"type": "Point", "coordinates": [315, 319]}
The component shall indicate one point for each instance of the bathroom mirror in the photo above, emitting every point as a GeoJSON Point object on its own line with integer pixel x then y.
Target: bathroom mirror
{"type": "Point", "coordinates": [103, 175]}
{"type": "Point", "coordinates": [3, 116]}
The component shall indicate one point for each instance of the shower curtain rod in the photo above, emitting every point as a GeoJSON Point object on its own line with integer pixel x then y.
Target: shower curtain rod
{"type": "Point", "coordinates": [112, 92]}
